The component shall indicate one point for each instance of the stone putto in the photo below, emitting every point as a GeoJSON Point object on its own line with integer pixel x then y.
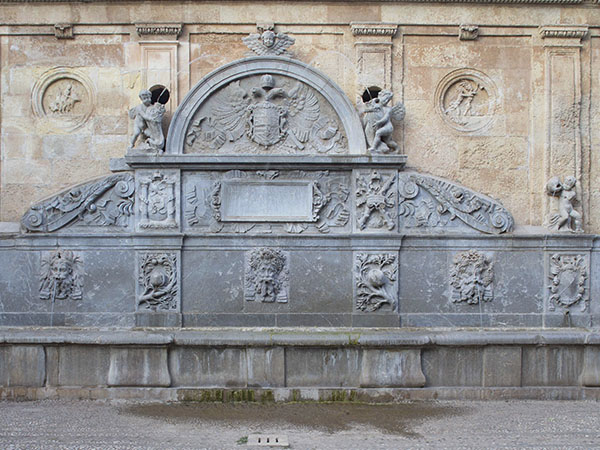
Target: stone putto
{"type": "Point", "coordinates": [147, 124]}
{"type": "Point", "coordinates": [567, 218]}
{"type": "Point", "coordinates": [377, 118]}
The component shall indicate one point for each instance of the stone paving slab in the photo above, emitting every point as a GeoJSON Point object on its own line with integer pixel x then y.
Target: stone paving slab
{"type": "Point", "coordinates": [327, 426]}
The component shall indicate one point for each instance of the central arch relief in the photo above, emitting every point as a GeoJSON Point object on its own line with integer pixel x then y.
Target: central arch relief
{"type": "Point", "coordinates": [266, 105]}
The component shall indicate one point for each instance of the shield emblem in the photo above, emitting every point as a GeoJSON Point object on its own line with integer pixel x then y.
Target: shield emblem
{"type": "Point", "coordinates": [266, 123]}
{"type": "Point", "coordinates": [568, 286]}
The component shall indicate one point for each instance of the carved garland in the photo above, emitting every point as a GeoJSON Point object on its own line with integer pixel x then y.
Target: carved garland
{"type": "Point", "coordinates": [446, 201]}
{"type": "Point", "coordinates": [106, 202]}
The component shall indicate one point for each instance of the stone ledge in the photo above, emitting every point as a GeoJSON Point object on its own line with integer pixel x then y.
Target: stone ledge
{"type": "Point", "coordinates": [298, 337]}
{"type": "Point", "coordinates": [361, 395]}
{"type": "Point", "coordinates": [527, 2]}
{"type": "Point", "coordinates": [249, 162]}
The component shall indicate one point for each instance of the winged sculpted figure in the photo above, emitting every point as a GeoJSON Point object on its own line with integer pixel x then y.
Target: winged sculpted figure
{"type": "Point", "coordinates": [267, 42]}
{"type": "Point", "coordinates": [266, 115]}
{"type": "Point", "coordinates": [377, 118]}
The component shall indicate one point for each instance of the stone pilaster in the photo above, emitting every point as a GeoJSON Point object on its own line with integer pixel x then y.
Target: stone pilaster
{"type": "Point", "coordinates": [158, 45]}
{"type": "Point", "coordinates": [373, 50]}
{"type": "Point", "coordinates": [562, 103]}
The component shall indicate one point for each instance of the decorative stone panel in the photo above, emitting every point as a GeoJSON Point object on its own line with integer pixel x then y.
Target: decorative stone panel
{"type": "Point", "coordinates": [432, 203]}
{"type": "Point", "coordinates": [157, 199]}
{"type": "Point", "coordinates": [569, 281]}
{"type": "Point", "coordinates": [266, 275]}
{"type": "Point", "coordinates": [376, 281]}
{"type": "Point", "coordinates": [466, 99]}
{"type": "Point", "coordinates": [376, 200]}
{"type": "Point", "coordinates": [267, 201]}
{"type": "Point", "coordinates": [471, 278]}
{"type": "Point", "coordinates": [107, 203]}
{"type": "Point", "coordinates": [63, 98]}
{"type": "Point", "coordinates": [158, 281]}
{"type": "Point", "coordinates": [61, 276]}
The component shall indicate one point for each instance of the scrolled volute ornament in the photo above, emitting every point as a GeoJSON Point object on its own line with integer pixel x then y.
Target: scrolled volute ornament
{"type": "Point", "coordinates": [103, 202]}
{"type": "Point", "coordinates": [431, 202]}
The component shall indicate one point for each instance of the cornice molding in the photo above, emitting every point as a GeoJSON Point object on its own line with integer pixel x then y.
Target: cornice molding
{"type": "Point", "coordinates": [563, 31]}
{"type": "Point", "coordinates": [526, 2]}
{"type": "Point", "coordinates": [158, 29]}
{"type": "Point", "coordinates": [374, 29]}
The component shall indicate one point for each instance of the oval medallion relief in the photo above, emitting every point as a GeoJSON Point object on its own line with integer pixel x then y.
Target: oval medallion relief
{"type": "Point", "coordinates": [64, 98]}
{"type": "Point", "coordinates": [466, 99]}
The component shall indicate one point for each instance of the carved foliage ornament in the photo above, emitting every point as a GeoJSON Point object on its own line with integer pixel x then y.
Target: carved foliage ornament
{"type": "Point", "coordinates": [376, 276]}
{"type": "Point", "coordinates": [250, 117]}
{"type": "Point", "coordinates": [466, 99]}
{"type": "Point", "coordinates": [158, 282]}
{"type": "Point", "coordinates": [471, 277]}
{"type": "Point", "coordinates": [102, 203]}
{"type": "Point", "coordinates": [267, 275]}
{"type": "Point", "coordinates": [430, 202]}
{"type": "Point", "coordinates": [268, 42]}
{"type": "Point", "coordinates": [568, 287]}
{"type": "Point", "coordinates": [61, 276]}
{"type": "Point", "coordinates": [376, 200]}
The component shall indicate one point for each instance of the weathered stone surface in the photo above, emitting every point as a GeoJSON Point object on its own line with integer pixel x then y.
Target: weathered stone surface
{"type": "Point", "coordinates": [391, 368]}
{"type": "Point", "coordinates": [453, 366]}
{"type": "Point", "coordinates": [81, 366]}
{"type": "Point", "coordinates": [552, 365]}
{"type": "Point", "coordinates": [209, 367]}
{"type": "Point", "coordinates": [138, 366]}
{"type": "Point", "coordinates": [502, 366]}
{"type": "Point", "coordinates": [322, 367]}
{"type": "Point", "coordinates": [22, 365]}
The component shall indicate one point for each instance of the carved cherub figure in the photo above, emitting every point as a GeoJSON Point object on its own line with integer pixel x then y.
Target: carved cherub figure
{"type": "Point", "coordinates": [567, 218]}
{"type": "Point", "coordinates": [267, 42]}
{"type": "Point", "coordinates": [377, 118]}
{"type": "Point", "coordinates": [148, 123]}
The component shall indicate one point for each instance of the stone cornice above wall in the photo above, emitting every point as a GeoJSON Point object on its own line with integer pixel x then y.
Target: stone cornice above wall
{"type": "Point", "coordinates": [541, 2]}
{"type": "Point", "coordinates": [158, 29]}
{"type": "Point", "coordinates": [563, 31]}
{"type": "Point", "coordinates": [374, 29]}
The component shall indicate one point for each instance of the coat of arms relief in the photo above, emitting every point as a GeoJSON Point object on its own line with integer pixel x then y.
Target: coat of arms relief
{"type": "Point", "coordinates": [265, 114]}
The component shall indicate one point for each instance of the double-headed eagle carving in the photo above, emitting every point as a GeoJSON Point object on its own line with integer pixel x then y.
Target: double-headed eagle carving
{"type": "Point", "coordinates": [266, 114]}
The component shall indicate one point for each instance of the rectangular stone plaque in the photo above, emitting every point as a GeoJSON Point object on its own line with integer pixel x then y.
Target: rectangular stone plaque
{"type": "Point", "coordinates": [266, 201]}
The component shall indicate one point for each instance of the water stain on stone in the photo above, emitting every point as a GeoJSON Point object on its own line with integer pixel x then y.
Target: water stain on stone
{"type": "Point", "coordinates": [399, 419]}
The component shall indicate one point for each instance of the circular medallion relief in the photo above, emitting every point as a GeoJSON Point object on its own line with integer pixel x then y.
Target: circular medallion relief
{"type": "Point", "coordinates": [64, 98]}
{"type": "Point", "coordinates": [466, 99]}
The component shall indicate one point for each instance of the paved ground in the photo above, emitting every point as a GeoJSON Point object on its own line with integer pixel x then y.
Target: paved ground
{"type": "Point", "coordinates": [456, 424]}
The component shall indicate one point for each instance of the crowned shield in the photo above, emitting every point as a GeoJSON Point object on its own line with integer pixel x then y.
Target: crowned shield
{"type": "Point", "coordinates": [266, 123]}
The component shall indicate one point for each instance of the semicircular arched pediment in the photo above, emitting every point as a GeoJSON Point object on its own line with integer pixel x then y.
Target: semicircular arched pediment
{"type": "Point", "coordinates": [266, 105]}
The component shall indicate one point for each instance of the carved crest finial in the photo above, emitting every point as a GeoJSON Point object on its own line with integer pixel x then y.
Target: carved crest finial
{"type": "Point", "coordinates": [268, 42]}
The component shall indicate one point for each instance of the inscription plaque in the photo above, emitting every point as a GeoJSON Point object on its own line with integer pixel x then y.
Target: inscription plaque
{"type": "Point", "coordinates": [267, 201]}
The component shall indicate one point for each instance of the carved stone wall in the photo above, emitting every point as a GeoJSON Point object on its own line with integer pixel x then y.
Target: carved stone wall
{"type": "Point", "coordinates": [499, 106]}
